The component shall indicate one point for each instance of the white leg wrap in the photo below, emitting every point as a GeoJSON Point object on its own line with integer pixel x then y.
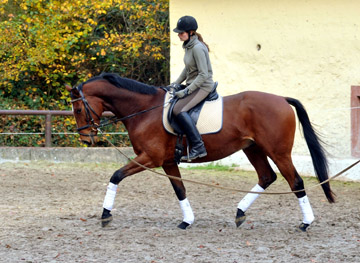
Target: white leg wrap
{"type": "Point", "coordinates": [308, 215]}
{"type": "Point", "coordinates": [249, 198]}
{"type": "Point", "coordinates": [187, 211]}
{"type": "Point", "coordinates": [110, 196]}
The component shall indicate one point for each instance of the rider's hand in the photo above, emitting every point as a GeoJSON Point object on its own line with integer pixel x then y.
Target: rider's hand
{"type": "Point", "coordinates": [175, 86]}
{"type": "Point", "coordinates": [182, 93]}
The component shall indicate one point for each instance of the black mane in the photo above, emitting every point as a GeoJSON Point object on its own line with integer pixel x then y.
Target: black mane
{"type": "Point", "coordinates": [129, 84]}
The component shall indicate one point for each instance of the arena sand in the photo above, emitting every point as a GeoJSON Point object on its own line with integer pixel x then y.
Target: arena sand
{"type": "Point", "coordinates": [50, 213]}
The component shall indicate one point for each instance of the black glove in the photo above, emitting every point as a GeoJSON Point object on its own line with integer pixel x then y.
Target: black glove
{"type": "Point", "coordinates": [175, 87]}
{"type": "Point", "coordinates": [182, 93]}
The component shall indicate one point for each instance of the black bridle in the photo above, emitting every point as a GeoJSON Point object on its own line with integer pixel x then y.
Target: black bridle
{"type": "Point", "coordinates": [89, 117]}
{"type": "Point", "coordinates": [88, 111]}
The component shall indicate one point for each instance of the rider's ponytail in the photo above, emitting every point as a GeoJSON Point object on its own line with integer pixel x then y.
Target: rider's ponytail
{"type": "Point", "coordinates": [202, 40]}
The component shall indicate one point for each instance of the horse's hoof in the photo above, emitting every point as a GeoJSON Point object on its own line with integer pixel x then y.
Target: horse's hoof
{"type": "Point", "coordinates": [106, 221]}
{"type": "Point", "coordinates": [183, 225]}
{"type": "Point", "coordinates": [240, 218]}
{"type": "Point", "coordinates": [303, 227]}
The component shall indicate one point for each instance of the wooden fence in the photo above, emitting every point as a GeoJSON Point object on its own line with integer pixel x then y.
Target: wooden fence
{"type": "Point", "coordinates": [48, 116]}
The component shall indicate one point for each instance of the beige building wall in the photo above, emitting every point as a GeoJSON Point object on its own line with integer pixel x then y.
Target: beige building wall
{"type": "Point", "coordinates": [309, 50]}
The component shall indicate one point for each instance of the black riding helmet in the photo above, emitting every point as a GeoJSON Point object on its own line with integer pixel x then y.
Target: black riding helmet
{"type": "Point", "coordinates": [186, 24]}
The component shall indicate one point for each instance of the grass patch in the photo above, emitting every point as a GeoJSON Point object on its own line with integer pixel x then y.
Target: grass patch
{"type": "Point", "coordinates": [212, 166]}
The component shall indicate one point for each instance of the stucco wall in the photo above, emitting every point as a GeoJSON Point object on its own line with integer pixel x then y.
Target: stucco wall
{"type": "Point", "coordinates": [310, 50]}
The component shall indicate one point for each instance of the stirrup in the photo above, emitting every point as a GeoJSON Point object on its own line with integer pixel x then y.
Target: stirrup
{"type": "Point", "coordinates": [187, 158]}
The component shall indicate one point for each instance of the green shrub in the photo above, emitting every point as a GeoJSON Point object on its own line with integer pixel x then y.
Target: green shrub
{"type": "Point", "coordinates": [47, 43]}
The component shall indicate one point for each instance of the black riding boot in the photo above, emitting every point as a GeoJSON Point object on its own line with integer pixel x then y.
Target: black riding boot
{"type": "Point", "coordinates": [197, 145]}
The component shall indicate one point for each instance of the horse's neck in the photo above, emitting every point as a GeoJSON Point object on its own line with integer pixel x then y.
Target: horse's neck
{"type": "Point", "coordinates": [124, 103]}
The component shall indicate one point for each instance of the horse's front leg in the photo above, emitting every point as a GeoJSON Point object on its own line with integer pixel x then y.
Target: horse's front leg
{"type": "Point", "coordinates": [179, 188]}
{"type": "Point", "coordinates": [129, 169]}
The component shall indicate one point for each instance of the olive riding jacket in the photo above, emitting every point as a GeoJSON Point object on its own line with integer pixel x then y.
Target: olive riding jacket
{"type": "Point", "coordinates": [197, 72]}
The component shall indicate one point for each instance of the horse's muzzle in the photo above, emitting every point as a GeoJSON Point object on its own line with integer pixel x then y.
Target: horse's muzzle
{"type": "Point", "coordinates": [87, 143]}
{"type": "Point", "coordinates": [89, 139]}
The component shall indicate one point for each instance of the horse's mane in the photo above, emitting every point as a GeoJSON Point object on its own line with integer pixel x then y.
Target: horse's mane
{"type": "Point", "coordinates": [129, 84]}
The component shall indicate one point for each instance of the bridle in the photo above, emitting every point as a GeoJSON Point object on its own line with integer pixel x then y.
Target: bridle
{"type": "Point", "coordinates": [89, 111]}
{"type": "Point", "coordinates": [96, 126]}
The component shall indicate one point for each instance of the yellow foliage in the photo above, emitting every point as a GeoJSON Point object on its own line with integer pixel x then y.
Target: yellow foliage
{"type": "Point", "coordinates": [47, 43]}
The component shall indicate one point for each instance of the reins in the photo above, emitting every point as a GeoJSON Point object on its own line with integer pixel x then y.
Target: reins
{"type": "Point", "coordinates": [114, 119]}
{"type": "Point", "coordinates": [223, 187]}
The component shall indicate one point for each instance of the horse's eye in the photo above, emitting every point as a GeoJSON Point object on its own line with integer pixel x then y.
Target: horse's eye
{"type": "Point", "coordinates": [78, 111]}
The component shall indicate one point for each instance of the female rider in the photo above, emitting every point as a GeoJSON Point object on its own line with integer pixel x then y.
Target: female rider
{"type": "Point", "coordinates": [197, 75]}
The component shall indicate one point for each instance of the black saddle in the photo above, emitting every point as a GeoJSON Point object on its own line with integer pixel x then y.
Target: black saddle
{"type": "Point", "coordinates": [194, 112]}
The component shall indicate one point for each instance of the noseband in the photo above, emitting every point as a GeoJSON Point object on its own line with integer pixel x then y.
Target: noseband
{"type": "Point", "coordinates": [89, 111]}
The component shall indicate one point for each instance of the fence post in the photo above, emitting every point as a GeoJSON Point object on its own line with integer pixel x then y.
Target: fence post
{"type": "Point", "coordinates": [48, 130]}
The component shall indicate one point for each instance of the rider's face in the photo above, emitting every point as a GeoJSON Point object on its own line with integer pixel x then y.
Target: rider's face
{"type": "Point", "coordinates": [183, 36]}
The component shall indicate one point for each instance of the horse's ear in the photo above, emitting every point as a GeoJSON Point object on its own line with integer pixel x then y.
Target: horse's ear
{"type": "Point", "coordinates": [68, 88]}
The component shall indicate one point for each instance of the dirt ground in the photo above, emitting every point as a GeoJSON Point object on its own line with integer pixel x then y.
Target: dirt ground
{"type": "Point", "coordinates": [50, 213]}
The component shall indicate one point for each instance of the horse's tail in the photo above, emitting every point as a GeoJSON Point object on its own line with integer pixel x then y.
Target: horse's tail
{"type": "Point", "coordinates": [317, 152]}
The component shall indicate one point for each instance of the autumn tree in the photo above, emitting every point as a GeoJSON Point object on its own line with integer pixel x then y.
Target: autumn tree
{"type": "Point", "coordinates": [47, 43]}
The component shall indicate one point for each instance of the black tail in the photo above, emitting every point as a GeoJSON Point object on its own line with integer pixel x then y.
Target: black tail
{"type": "Point", "coordinates": [317, 152]}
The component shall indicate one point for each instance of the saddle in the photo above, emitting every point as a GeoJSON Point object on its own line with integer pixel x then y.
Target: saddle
{"type": "Point", "coordinates": [194, 112]}
{"type": "Point", "coordinates": [207, 115]}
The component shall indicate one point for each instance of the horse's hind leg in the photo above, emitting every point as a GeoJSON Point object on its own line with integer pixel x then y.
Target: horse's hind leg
{"type": "Point", "coordinates": [179, 188]}
{"type": "Point", "coordinates": [295, 182]}
{"type": "Point", "coordinates": [266, 177]}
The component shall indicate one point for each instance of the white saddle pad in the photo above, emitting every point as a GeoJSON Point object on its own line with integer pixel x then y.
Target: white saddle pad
{"type": "Point", "coordinates": [210, 118]}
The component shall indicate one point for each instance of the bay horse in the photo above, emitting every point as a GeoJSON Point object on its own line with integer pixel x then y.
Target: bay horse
{"type": "Point", "coordinates": [261, 124]}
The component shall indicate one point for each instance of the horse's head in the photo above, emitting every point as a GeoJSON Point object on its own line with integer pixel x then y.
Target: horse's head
{"type": "Point", "coordinates": [87, 110]}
